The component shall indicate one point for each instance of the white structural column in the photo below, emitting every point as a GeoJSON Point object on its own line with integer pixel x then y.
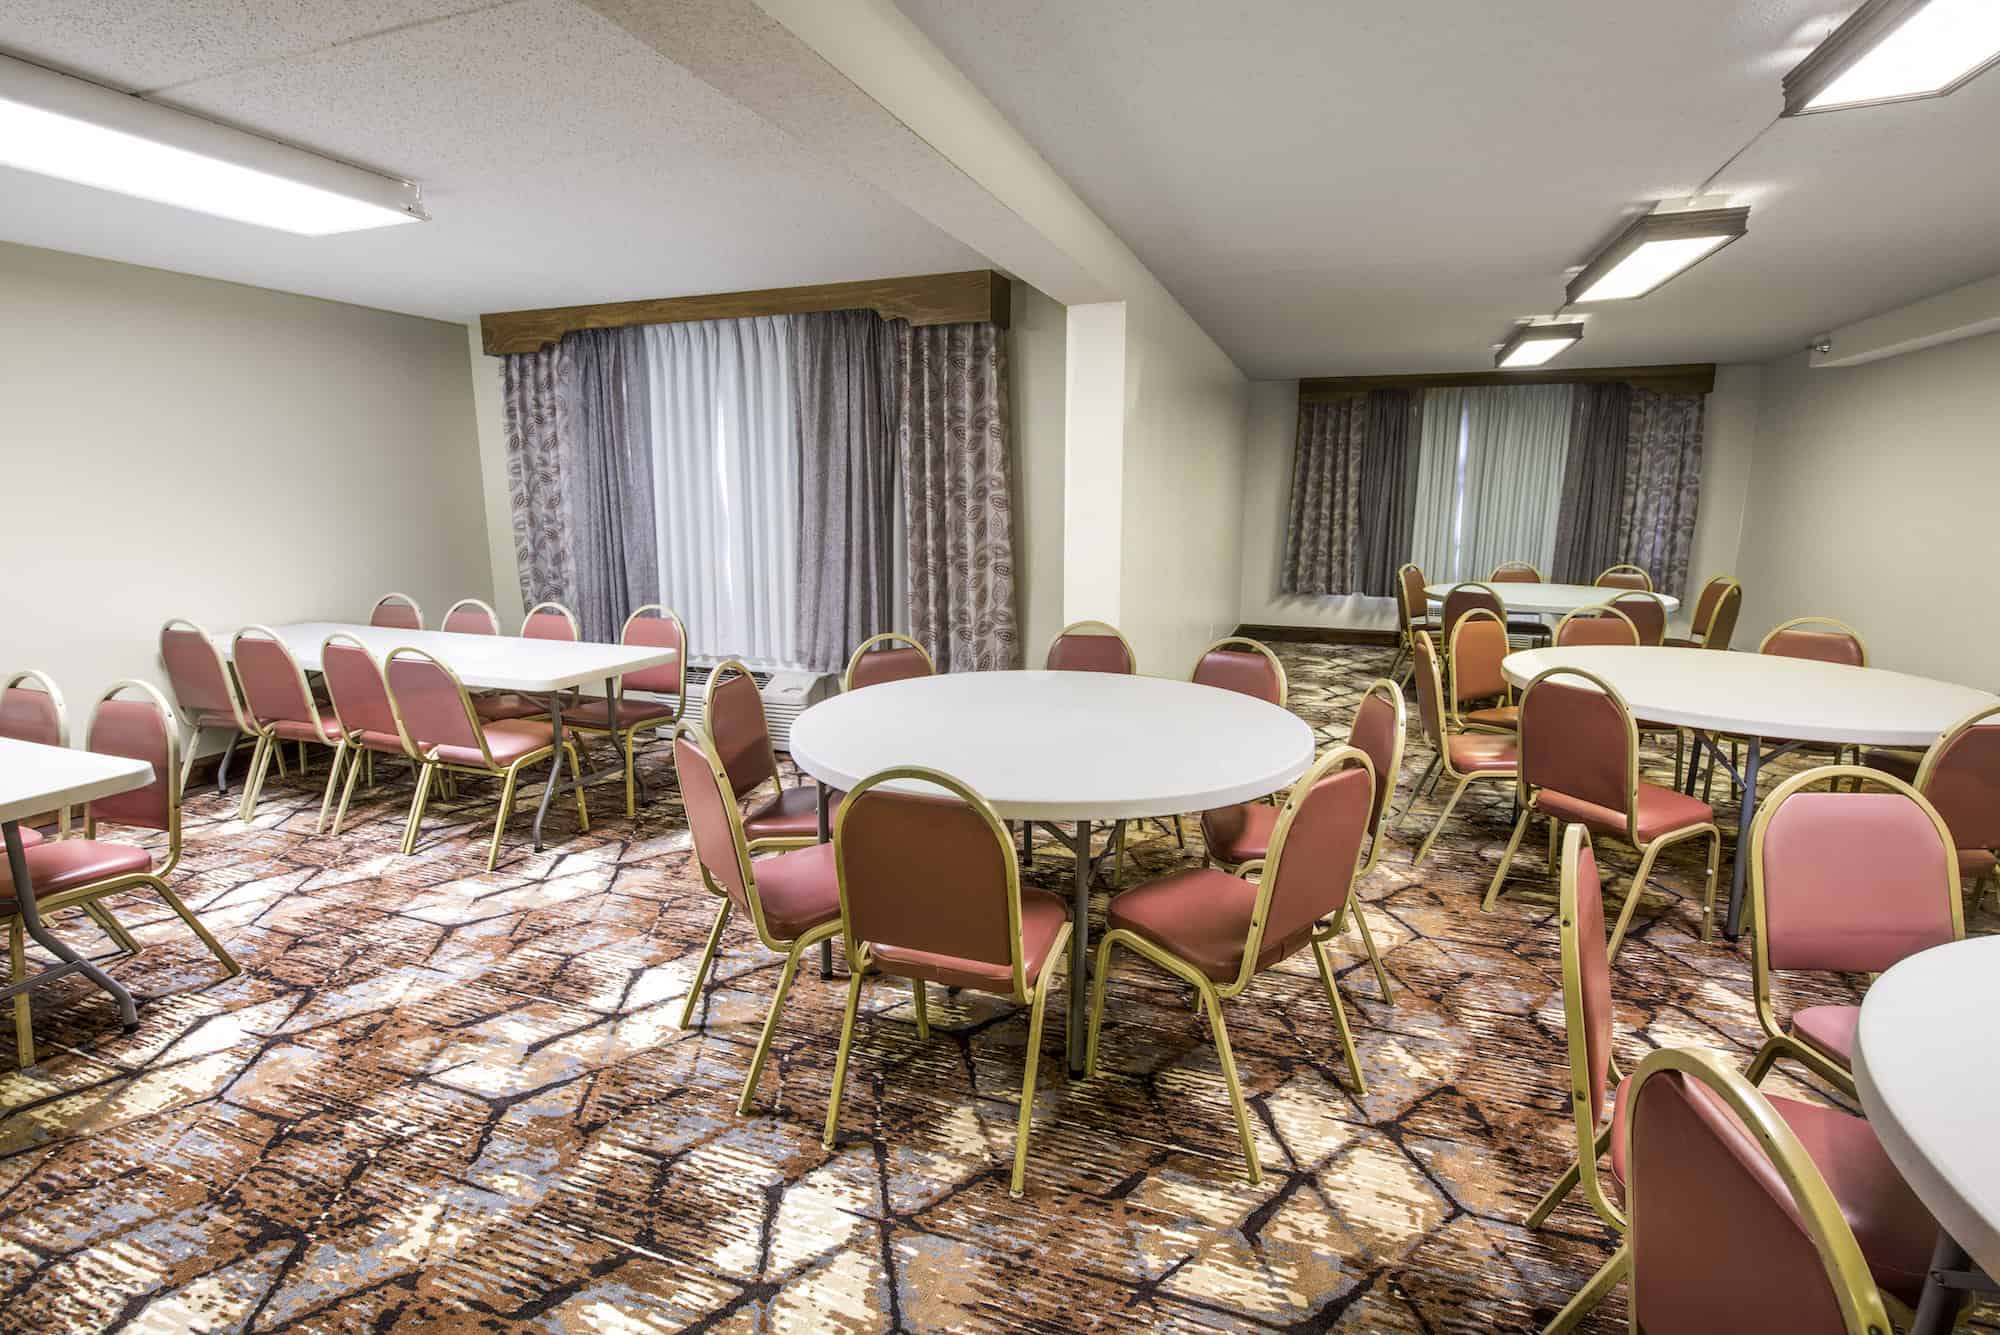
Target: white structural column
{"type": "Point", "coordinates": [1093, 465]}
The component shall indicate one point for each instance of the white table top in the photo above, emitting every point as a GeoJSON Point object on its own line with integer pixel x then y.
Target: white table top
{"type": "Point", "coordinates": [1556, 599]}
{"type": "Point", "coordinates": [1061, 746]}
{"type": "Point", "coordinates": [1924, 1066]}
{"type": "Point", "coordinates": [36, 778]}
{"type": "Point", "coordinates": [1762, 695]}
{"type": "Point", "coordinates": [482, 662]}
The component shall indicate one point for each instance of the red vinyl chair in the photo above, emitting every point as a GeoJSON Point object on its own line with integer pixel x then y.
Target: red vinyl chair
{"type": "Point", "coordinates": [1091, 646]}
{"type": "Point", "coordinates": [398, 611]}
{"type": "Point", "coordinates": [1413, 617]}
{"type": "Point", "coordinates": [368, 723]}
{"type": "Point", "coordinates": [1820, 638]}
{"type": "Point", "coordinates": [890, 656]}
{"type": "Point", "coordinates": [1960, 776]}
{"type": "Point", "coordinates": [1626, 576]}
{"type": "Point", "coordinates": [651, 627]}
{"type": "Point", "coordinates": [1580, 763]}
{"type": "Point", "coordinates": [1477, 646]}
{"type": "Point", "coordinates": [1247, 667]}
{"type": "Point", "coordinates": [1893, 1234]}
{"type": "Point", "coordinates": [1466, 757]}
{"type": "Point", "coordinates": [32, 710]}
{"type": "Point", "coordinates": [1842, 883]}
{"type": "Point", "coordinates": [1514, 572]}
{"type": "Point", "coordinates": [1715, 613]}
{"type": "Point", "coordinates": [1216, 932]}
{"type": "Point", "coordinates": [281, 706]}
{"type": "Point", "coordinates": [70, 873]}
{"type": "Point", "coordinates": [470, 616]}
{"type": "Point", "coordinates": [205, 695]}
{"type": "Point", "coordinates": [1595, 625]}
{"type": "Point", "coordinates": [1463, 598]}
{"type": "Point", "coordinates": [550, 621]}
{"type": "Point", "coordinates": [893, 850]}
{"type": "Point", "coordinates": [733, 719]}
{"type": "Point", "coordinates": [438, 718]}
{"type": "Point", "coordinates": [791, 898]}
{"type": "Point", "coordinates": [1645, 611]}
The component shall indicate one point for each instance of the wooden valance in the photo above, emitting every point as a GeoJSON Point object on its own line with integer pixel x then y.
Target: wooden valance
{"type": "Point", "coordinates": [1678, 378]}
{"type": "Point", "coordinates": [973, 297]}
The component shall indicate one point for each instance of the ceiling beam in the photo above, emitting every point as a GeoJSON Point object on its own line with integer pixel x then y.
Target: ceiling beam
{"type": "Point", "coordinates": [1677, 378]}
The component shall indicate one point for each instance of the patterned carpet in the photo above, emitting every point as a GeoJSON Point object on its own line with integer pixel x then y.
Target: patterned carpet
{"type": "Point", "coordinates": [444, 1100]}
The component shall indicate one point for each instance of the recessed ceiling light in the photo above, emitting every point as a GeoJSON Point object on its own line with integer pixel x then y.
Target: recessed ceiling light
{"type": "Point", "coordinates": [57, 126]}
{"type": "Point", "coordinates": [1533, 344]}
{"type": "Point", "coordinates": [1895, 50]}
{"type": "Point", "coordinates": [1654, 249]}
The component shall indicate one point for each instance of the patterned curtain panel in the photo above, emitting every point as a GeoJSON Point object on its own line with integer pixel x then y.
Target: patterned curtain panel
{"type": "Point", "coordinates": [951, 427]}
{"type": "Point", "coordinates": [607, 481]}
{"type": "Point", "coordinates": [1662, 485]}
{"type": "Point", "coordinates": [537, 420]}
{"type": "Point", "coordinates": [1323, 528]}
{"type": "Point", "coordinates": [851, 574]}
{"type": "Point", "coordinates": [1593, 485]}
{"type": "Point", "coordinates": [1388, 491]}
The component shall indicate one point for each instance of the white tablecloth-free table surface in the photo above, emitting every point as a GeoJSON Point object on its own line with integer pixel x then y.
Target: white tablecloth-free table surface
{"type": "Point", "coordinates": [1549, 599]}
{"type": "Point", "coordinates": [1924, 1066]}
{"type": "Point", "coordinates": [482, 662]}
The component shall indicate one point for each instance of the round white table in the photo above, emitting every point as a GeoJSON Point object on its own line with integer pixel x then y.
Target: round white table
{"type": "Point", "coordinates": [1061, 747]}
{"type": "Point", "coordinates": [1931, 1089]}
{"type": "Point", "coordinates": [1547, 599]}
{"type": "Point", "coordinates": [1762, 698]}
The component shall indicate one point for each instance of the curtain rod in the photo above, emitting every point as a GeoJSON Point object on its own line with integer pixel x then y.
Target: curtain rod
{"type": "Point", "coordinates": [1675, 378]}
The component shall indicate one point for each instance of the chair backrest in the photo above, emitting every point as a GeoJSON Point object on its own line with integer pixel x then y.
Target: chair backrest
{"type": "Point", "coordinates": [657, 627]}
{"type": "Point", "coordinates": [1732, 1225]}
{"type": "Point", "coordinates": [1091, 646]}
{"type": "Point", "coordinates": [1589, 1017]}
{"type": "Point", "coordinates": [1414, 604]}
{"type": "Point", "coordinates": [1706, 604]}
{"type": "Point", "coordinates": [1820, 638]}
{"type": "Point", "coordinates": [714, 822]}
{"type": "Point", "coordinates": [1960, 775]}
{"type": "Point", "coordinates": [1429, 681]}
{"type": "Point", "coordinates": [1463, 598]}
{"type": "Point", "coordinates": [1478, 644]}
{"type": "Point", "coordinates": [201, 680]}
{"type": "Point", "coordinates": [431, 703]}
{"type": "Point", "coordinates": [32, 710]}
{"type": "Point", "coordinates": [1238, 663]}
{"type": "Point", "coordinates": [1380, 721]}
{"type": "Point", "coordinates": [469, 616]}
{"type": "Point", "coordinates": [360, 693]}
{"type": "Point", "coordinates": [1578, 738]}
{"type": "Point", "coordinates": [398, 611]}
{"type": "Point", "coordinates": [550, 621]}
{"type": "Point", "coordinates": [1315, 852]}
{"type": "Point", "coordinates": [895, 850]}
{"type": "Point", "coordinates": [1595, 625]}
{"type": "Point", "coordinates": [274, 686]}
{"type": "Point", "coordinates": [890, 656]}
{"type": "Point", "coordinates": [138, 729]}
{"type": "Point", "coordinates": [1514, 572]}
{"type": "Point", "coordinates": [1645, 611]}
{"type": "Point", "coordinates": [1715, 632]}
{"type": "Point", "coordinates": [1849, 882]}
{"type": "Point", "coordinates": [1625, 577]}
{"type": "Point", "coordinates": [733, 720]}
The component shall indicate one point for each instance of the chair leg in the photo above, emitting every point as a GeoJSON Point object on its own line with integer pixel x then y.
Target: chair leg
{"type": "Point", "coordinates": [1443, 816]}
{"type": "Point", "coordinates": [854, 975]}
{"type": "Point", "coordinates": [1037, 1010]}
{"type": "Point", "coordinates": [111, 927]}
{"type": "Point", "coordinates": [1506, 860]}
{"type": "Point", "coordinates": [1592, 1293]}
{"type": "Point", "coordinates": [419, 799]}
{"type": "Point", "coordinates": [1555, 1195]}
{"type": "Point", "coordinates": [1761, 1064]}
{"type": "Point", "coordinates": [24, 1015]}
{"type": "Point", "coordinates": [707, 960]}
{"type": "Point", "coordinates": [1098, 976]}
{"type": "Point", "coordinates": [359, 761]}
{"type": "Point", "coordinates": [1339, 1018]}
{"type": "Point", "coordinates": [215, 947]}
{"type": "Point", "coordinates": [253, 780]}
{"type": "Point", "coordinates": [1228, 1060]}
{"type": "Point", "coordinates": [332, 781]}
{"type": "Point", "coordinates": [631, 782]}
{"type": "Point", "coordinates": [576, 773]}
{"type": "Point", "coordinates": [1417, 792]}
{"type": "Point", "coordinates": [1708, 893]}
{"type": "Point", "coordinates": [1639, 879]}
{"type": "Point", "coordinates": [189, 746]}
{"type": "Point", "coordinates": [506, 810]}
{"type": "Point", "coordinates": [1368, 944]}
{"type": "Point", "coordinates": [1118, 869]}
{"type": "Point", "coordinates": [923, 1007]}
{"type": "Point", "coordinates": [1180, 833]}
{"type": "Point", "coordinates": [791, 971]}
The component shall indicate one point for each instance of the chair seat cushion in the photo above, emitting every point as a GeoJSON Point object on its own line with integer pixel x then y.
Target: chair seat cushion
{"type": "Point", "coordinates": [1828, 1028]}
{"type": "Point", "coordinates": [1895, 1231]}
{"type": "Point", "coordinates": [297, 730]}
{"type": "Point", "coordinates": [1483, 753]}
{"type": "Point", "coordinates": [30, 836]}
{"type": "Point", "coordinates": [798, 889]}
{"type": "Point", "coordinates": [789, 813]}
{"type": "Point", "coordinates": [506, 705]}
{"type": "Point", "coordinates": [64, 864]}
{"type": "Point", "coordinates": [1042, 916]}
{"type": "Point", "coordinates": [1902, 764]}
{"type": "Point", "coordinates": [1976, 861]}
{"type": "Point", "coordinates": [1202, 916]}
{"type": "Point", "coordinates": [1241, 833]}
{"type": "Point", "coordinates": [509, 740]}
{"type": "Point", "coordinates": [1661, 811]}
{"type": "Point", "coordinates": [631, 714]}
{"type": "Point", "coordinates": [1496, 716]}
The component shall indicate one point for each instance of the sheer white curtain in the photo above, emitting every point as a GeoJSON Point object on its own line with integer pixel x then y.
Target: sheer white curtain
{"type": "Point", "coordinates": [726, 484]}
{"type": "Point", "coordinates": [1434, 522]}
{"type": "Point", "coordinates": [1489, 479]}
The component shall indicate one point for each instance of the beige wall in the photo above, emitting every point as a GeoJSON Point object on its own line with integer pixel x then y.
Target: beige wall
{"type": "Point", "coordinates": [1036, 356]}
{"type": "Point", "coordinates": [177, 446]}
{"type": "Point", "coordinates": [1873, 501]}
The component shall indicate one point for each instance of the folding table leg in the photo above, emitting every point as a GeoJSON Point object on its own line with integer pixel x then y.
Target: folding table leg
{"type": "Point", "coordinates": [1079, 950]}
{"type": "Point", "coordinates": [1752, 753]}
{"type": "Point", "coordinates": [825, 836]}
{"type": "Point", "coordinates": [555, 767]}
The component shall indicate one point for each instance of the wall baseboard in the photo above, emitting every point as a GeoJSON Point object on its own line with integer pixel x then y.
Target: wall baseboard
{"type": "Point", "coordinates": [1319, 635]}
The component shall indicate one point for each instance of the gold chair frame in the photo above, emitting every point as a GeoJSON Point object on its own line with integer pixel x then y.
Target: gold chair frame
{"type": "Point", "coordinates": [1092, 626]}
{"type": "Point", "coordinates": [1441, 767]}
{"type": "Point", "coordinates": [1410, 622]}
{"type": "Point", "coordinates": [1838, 625]}
{"type": "Point", "coordinates": [631, 735]}
{"type": "Point", "coordinates": [1377, 825]}
{"type": "Point", "coordinates": [1284, 698]}
{"type": "Point", "coordinates": [1625, 595]}
{"type": "Point", "coordinates": [1648, 851]}
{"type": "Point", "coordinates": [1777, 1043]}
{"type": "Point", "coordinates": [492, 616]}
{"type": "Point", "coordinates": [268, 742]}
{"type": "Point", "coordinates": [395, 597]}
{"type": "Point", "coordinates": [890, 637]}
{"type": "Point", "coordinates": [550, 605]}
{"type": "Point", "coordinates": [1457, 720]}
{"type": "Point", "coordinates": [358, 757]}
{"type": "Point", "coordinates": [87, 896]}
{"type": "Point", "coordinates": [191, 744]}
{"type": "Point", "coordinates": [56, 702]}
{"type": "Point", "coordinates": [1926, 770]}
{"type": "Point", "coordinates": [1595, 612]}
{"type": "Point", "coordinates": [1507, 566]}
{"type": "Point", "coordinates": [1701, 634]}
{"type": "Point", "coordinates": [1620, 568]}
{"type": "Point", "coordinates": [431, 766]}
{"type": "Point", "coordinates": [771, 843]}
{"type": "Point", "coordinates": [860, 958]}
{"type": "Point", "coordinates": [1213, 994]}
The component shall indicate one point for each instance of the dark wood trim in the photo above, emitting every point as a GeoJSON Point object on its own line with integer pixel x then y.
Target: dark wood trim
{"type": "Point", "coordinates": [972, 297]}
{"type": "Point", "coordinates": [1680, 378]}
{"type": "Point", "coordinates": [1318, 635]}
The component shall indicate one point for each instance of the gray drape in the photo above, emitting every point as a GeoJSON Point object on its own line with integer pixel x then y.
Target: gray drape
{"type": "Point", "coordinates": [537, 411]}
{"type": "Point", "coordinates": [845, 400]}
{"type": "Point", "coordinates": [1323, 524]}
{"type": "Point", "coordinates": [1662, 485]}
{"type": "Point", "coordinates": [1388, 491]}
{"type": "Point", "coordinates": [952, 430]}
{"type": "Point", "coordinates": [609, 482]}
{"type": "Point", "coordinates": [1593, 486]}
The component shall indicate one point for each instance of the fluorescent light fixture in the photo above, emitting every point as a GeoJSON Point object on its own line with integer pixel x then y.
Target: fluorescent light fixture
{"type": "Point", "coordinates": [1533, 344]}
{"type": "Point", "coordinates": [1654, 249]}
{"type": "Point", "coordinates": [1896, 50]}
{"type": "Point", "coordinates": [57, 126]}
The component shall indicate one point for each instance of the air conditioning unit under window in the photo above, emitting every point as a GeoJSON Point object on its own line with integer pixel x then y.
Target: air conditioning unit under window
{"type": "Point", "coordinates": [787, 693]}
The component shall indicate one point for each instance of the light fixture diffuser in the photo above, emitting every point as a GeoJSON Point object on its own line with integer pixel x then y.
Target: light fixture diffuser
{"type": "Point", "coordinates": [1533, 344]}
{"type": "Point", "coordinates": [1654, 249]}
{"type": "Point", "coordinates": [57, 126]}
{"type": "Point", "coordinates": [1894, 51]}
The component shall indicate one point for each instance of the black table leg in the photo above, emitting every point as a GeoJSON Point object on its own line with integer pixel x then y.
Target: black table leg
{"type": "Point", "coordinates": [555, 767]}
{"type": "Point", "coordinates": [1079, 949]}
{"type": "Point", "coordinates": [1746, 816]}
{"type": "Point", "coordinates": [825, 836]}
